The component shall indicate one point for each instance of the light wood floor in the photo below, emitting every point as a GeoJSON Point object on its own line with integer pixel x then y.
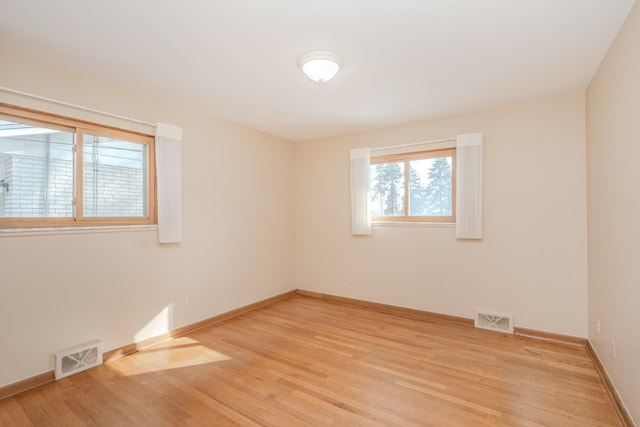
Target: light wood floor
{"type": "Point", "coordinates": [305, 361]}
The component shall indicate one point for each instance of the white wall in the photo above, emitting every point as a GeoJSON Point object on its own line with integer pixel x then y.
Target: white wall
{"type": "Point", "coordinates": [58, 291]}
{"type": "Point", "coordinates": [613, 149]}
{"type": "Point", "coordinates": [532, 261]}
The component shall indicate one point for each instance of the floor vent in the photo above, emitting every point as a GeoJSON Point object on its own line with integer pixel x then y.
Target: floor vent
{"type": "Point", "coordinates": [78, 359]}
{"type": "Point", "coordinates": [494, 321]}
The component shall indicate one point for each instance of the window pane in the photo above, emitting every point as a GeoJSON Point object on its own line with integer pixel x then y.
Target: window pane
{"type": "Point", "coordinates": [114, 177]}
{"type": "Point", "coordinates": [430, 187]}
{"type": "Point", "coordinates": [387, 189]}
{"type": "Point", "coordinates": [36, 171]}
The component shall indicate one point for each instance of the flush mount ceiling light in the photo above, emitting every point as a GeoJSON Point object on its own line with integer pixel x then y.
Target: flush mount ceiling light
{"type": "Point", "coordinates": [320, 66]}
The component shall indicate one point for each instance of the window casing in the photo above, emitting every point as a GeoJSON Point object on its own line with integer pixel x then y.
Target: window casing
{"type": "Point", "coordinates": [58, 172]}
{"type": "Point", "coordinates": [417, 186]}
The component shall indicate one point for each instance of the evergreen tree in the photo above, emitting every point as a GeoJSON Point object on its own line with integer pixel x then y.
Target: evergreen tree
{"type": "Point", "coordinates": [438, 194]}
{"type": "Point", "coordinates": [416, 193]}
{"type": "Point", "coordinates": [387, 188]}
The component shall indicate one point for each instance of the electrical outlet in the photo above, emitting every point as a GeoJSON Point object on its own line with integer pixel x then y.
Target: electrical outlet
{"type": "Point", "coordinates": [349, 281]}
{"type": "Point", "coordinates": [187, 300]}
{"type": "Point", "coordinates": [598, 327]}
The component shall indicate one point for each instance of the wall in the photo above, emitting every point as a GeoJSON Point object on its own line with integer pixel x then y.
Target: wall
{"type": "Point", "coordinates": [60, 290]}
{"type": "Point", "coordinates": [613, 150]}
{"type": "Point", "coordinates": [532, 260]}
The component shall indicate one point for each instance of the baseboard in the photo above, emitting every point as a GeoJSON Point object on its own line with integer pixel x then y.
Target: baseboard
{"type": "Point", "coordinates": [27, 384]}
{"type": "Point", "coordinates": [132, 348]}
{"type": "Point", "coordinates": [431, 316]}
{"type": "Point", "coordinates": [549, 336]}
{"type": "Point", "coordinates": [47, 377]}
{"type": "Point", "coordinates": [623, 414]}
{"type": "Point", "coordinates": [394, 309]}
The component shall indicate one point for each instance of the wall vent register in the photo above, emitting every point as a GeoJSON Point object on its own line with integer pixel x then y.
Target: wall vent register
{"type": "Point", "coordinates": [78, 359]}
{"type": "Point", "coordinates": [499, 322]}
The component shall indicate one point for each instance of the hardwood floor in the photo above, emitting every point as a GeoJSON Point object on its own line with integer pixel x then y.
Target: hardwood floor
{"type": "Point", "coordinates": [305, 361]}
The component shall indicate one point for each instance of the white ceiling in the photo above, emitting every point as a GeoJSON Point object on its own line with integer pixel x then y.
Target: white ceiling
{"type": "Point", "coordinates": [404, 60]}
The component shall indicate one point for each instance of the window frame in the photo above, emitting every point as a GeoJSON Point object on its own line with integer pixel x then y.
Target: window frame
{"type": "Point", "coordinates": [406, 158]}
{"type": "Point", "coordinates": [79, 128]}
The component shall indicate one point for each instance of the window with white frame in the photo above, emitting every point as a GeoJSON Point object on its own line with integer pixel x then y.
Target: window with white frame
{"type": "Point", "coordinates": [417, 186]}
{"type": "Point", "coordinates": [57, 171]}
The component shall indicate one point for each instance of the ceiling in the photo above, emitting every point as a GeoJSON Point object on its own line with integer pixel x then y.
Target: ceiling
{"type": "Point", "coordinates": [404, 60]}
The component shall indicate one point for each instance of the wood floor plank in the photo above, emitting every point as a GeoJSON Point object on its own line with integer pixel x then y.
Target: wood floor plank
{"type": "Point", "coordinates": [13, 413]}
{"type": "Point", "coordinates": [310, 362]}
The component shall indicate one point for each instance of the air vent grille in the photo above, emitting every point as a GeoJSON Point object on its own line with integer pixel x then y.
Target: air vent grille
{"type": "Point", "coordinates": [78, 359]}
{"type": "Point", "coordinates": [494, 321]}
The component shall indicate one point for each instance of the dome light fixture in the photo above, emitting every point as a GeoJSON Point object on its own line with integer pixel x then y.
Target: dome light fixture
{"type": "Point", "coordinates": [320, 66]}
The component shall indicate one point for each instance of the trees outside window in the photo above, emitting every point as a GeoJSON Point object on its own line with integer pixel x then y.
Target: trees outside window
{"type": "Point", "coordinates": [388, 188]}
{"type": "Point", "coordinates": [426, 180]}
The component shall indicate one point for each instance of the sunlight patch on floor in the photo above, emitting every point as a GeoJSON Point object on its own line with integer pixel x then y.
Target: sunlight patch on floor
{"type": "Point", "coordinates": [177, 353]}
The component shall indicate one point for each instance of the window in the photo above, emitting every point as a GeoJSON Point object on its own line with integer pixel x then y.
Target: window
{"type": "Point", "coordinates": [56, 171]}
{"type": "Point", "coordinates": [416, 186]}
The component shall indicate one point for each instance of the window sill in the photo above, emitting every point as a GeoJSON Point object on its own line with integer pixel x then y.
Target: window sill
{"type": "Point", "coordinates": [53, 231]}
{"type": "Point", "coordinates": [413, 224]}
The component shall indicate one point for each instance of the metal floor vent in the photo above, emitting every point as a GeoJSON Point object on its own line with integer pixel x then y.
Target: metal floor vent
{"type": "Point", "coordinates": [78, 359]}
{"type": "Point", "coordinates": [494, 321]}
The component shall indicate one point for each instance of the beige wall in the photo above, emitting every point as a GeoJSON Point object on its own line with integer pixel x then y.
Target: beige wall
{"type": "Point", "coordinates": [613, 150]}
{"type": "Point", "coordinates": [58, 291]}
{"type": "Point", "coordinates": [532, 261]}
